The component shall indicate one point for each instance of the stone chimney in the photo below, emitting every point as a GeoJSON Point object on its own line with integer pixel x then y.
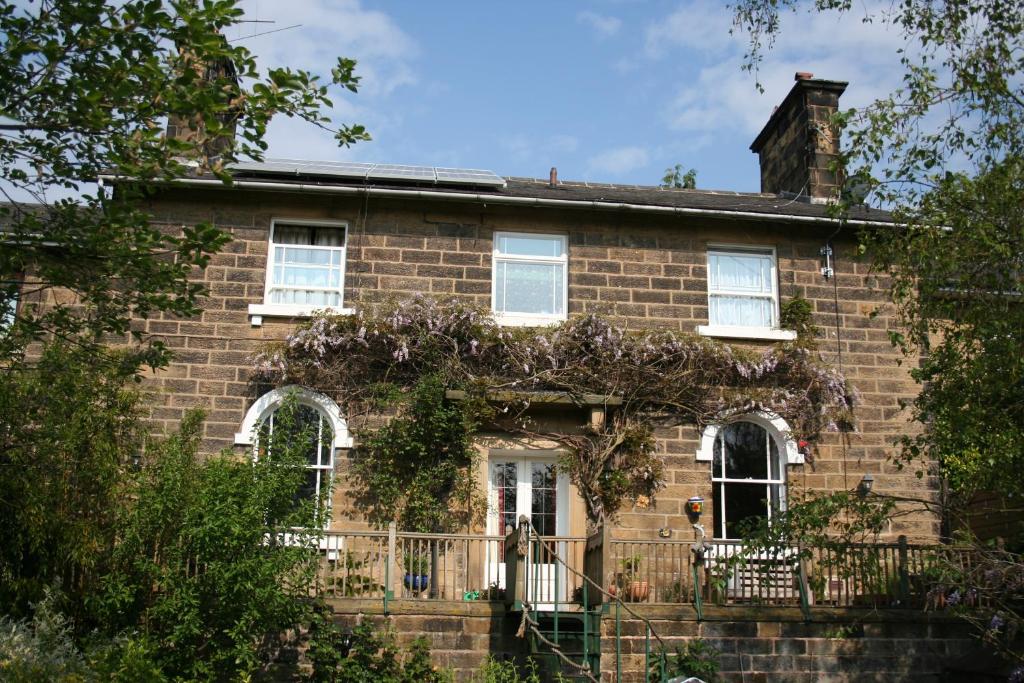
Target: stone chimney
{"type": "Point", "coordinates": [799, 142]}
{"type": "Point", "coordinates": [191, 128]}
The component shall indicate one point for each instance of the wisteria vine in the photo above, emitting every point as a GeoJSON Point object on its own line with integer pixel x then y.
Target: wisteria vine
{"type": "Point", "coordinates": [368, 359]}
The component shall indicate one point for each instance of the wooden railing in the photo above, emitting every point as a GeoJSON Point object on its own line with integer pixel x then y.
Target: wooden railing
{"type": "Point", "coordinates": [402, 565]}
{"type": "Point", "coordinates": [417, 566]}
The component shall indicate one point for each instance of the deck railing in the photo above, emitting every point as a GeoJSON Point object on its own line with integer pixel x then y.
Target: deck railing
{"type": "Point", "coordinates": [402, 565]}
{"type": "Point", "coordinates": [836, 574]}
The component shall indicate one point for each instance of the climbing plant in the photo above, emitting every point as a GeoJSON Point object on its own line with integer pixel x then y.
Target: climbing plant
{"type": "Point", "coordinates": [379, 357]}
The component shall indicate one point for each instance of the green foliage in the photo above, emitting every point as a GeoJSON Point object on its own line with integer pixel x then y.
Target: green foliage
{"type": "Point", "coordinates": [696, 657]}
{"type": "Point", "coordinates": [368, 656]}
{"type": "Point", "coordinates": [68, 431]}
{"type": "Point", "coordinates": [184, 568]}
{"type": "Point", "coordinates": [797, 314]}
{"type": "Point", "coordinates": [675, 178]}
{"type": "Point", "coordinates": [214, 556]}
{"type": "Point", "coordinates": [494, 671]}
{"type": "Point", "coordinates": [90, 83]}
{"type": "Point", "coordinates": [41, 649]}
{"type": "Point", "coordinates": [419, 469]}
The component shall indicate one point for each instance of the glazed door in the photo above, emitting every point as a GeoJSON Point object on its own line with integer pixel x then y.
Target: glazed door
{"type": "Point", "coordinates": [528, 486]}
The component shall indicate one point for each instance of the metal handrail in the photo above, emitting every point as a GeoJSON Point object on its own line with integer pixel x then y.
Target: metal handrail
{"type": "Point", "coordinates": [524, 521]}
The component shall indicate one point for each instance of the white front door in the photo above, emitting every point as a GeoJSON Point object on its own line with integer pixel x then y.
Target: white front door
{"type": "Point", "coordinates": [527, 485]}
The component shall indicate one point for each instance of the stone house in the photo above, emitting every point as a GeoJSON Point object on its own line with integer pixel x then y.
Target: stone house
{"type": "Point", "coordinates": [309, 236]}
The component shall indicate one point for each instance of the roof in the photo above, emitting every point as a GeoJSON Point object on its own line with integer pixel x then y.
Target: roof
{"type": "Point", "coordinates": [753, 204]}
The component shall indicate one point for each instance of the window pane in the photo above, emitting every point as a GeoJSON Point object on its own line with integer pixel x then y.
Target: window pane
{"type": "Point", "coordinates": [743, 502]}
{"type": "Point", "coordinates": [543, 503]}
{"type": "Point", "coordinates": [293, 234]}
{"type": "Point", "coordinates": [529, 288]}
{"type": "Point", "coordinates": [312, 257]}
{"type": "Point", "coordinates": [745, 450]}
{"type": "Point", "coordinates": [532, 245]}
{"type": "Point", "coordinates": [305, 431]}
{"type": "Point", "coordinates": [740, 272]}
{"type": "Point", "coordinates": [329, 237]}
{"type": "Point", "coordinates": [304, 297]}
{"type": "Point", "coordinates": [504, 478]}
{"type": "Point", "coordinates": [741, 311]}
{"type": "Point", "coordinates": [309, 234]}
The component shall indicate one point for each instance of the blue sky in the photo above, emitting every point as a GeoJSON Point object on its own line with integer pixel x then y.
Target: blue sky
{"type": "Point", "coordinates": [607, 91]}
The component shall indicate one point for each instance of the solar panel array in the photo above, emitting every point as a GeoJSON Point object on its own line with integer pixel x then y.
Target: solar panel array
{"type": "Point", "coordinates": [353, 169]}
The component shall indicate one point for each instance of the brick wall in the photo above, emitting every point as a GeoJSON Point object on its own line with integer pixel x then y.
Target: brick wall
{"type": "Point", "coordinates": [645, 270]}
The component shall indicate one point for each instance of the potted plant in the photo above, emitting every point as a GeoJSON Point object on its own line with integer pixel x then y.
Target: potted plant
{"type": "Point", "coordinates": [417, 571]}
{"type": "Point", "coordinates": [629, 585]}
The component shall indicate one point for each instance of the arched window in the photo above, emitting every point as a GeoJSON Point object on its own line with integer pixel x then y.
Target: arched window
{"type": "Point", "coordinates": [314, 418]}
{"type": "Point", "coordinates": [748, 476]}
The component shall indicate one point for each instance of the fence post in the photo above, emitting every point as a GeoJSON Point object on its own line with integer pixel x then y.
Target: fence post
{"type": "Point", "coordinates": [904, 576]}
{"type": "Point", "coordinates": [391, 568]}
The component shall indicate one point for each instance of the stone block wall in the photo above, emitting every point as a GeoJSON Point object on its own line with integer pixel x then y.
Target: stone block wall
{"type": "Point", "coordinates": [643, 270]}
{"type": "Point", "coordinates": [760, 645]}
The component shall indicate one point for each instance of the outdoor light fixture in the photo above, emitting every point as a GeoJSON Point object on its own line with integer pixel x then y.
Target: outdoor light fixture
{"type": "Point", "coordinates": [864, 487]}
{"type": "Point", "coordinates": [136, 461]}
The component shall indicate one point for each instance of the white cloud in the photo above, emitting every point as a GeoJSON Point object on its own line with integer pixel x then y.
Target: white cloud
{"type": "Point", "coordinates": [385, 54]}
{"type": "Point", "coordinates": [618, 160]}
{"type": "Point", "coordinates": [722, 97]}
{"type": "Point", "coordinates": [604, 26]}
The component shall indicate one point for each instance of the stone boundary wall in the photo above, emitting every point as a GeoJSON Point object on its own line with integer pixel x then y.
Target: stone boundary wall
{"type": "Point", "coordinates": [757, 645]}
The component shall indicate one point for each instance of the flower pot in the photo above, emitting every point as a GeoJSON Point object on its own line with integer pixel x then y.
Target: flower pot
{"type": "Point", "coordinates": [638, 591]}
{"type": "Point", "coordinates": [416, 582]}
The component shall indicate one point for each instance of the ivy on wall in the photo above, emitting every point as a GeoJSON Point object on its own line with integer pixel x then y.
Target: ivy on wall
{"type": "Point", "coordinates": [389, 357]}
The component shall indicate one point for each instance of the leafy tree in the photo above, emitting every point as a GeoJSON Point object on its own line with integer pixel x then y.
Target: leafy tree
{"type": "Point", "coordinates": [946, 152]}
{"type": "Point", "coordinates": [67, 433]}
{"type": "Point", "coordinates": [184, 566]}
{"type": "Point", "coordinates": [675, 178]}
{"type": "Point", "coordinates": [89, 85]}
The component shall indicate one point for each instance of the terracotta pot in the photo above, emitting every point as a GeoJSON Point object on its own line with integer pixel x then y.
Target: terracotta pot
{"type": "Point", "coordinates": [638, 591]}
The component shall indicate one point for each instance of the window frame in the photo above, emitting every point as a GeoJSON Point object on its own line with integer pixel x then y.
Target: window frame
{"type": "Point", "coordinates": [529, 319]}
{"type": "Point", "coordinates": [266, 405]}
{"type": "Point", "coordinates": [781, 482]}
{"type": "Point", "coordinates": [268, 309]}
{"type": "Point", "coordinates": [772, 332]}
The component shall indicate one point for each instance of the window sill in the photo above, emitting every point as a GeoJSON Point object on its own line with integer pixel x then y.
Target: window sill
{"type": "Point", "coordinates": [762, 333]}
{"type": "Point", "coordinates": [506, 320]}
{"type": "Point", "coordinates": [259, 311]}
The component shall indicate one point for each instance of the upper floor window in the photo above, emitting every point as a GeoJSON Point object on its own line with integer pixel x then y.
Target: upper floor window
{"type": "Point", "coordinates": [305, 269]}
{"type": "Point", "coordinates": [530, 278]}
{"type": "Point", "coordinates": [743, 294]}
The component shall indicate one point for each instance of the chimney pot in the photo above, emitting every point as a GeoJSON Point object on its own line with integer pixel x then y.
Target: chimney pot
{"type": "Point", "coordinates": [803, 76]}
{"type": "Point", "coordinates": [553, 178]}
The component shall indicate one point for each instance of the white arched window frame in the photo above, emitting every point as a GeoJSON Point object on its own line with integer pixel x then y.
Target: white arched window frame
{"type": "Point", "coordinates": [777, 429]}
{"type": "Point", "coordinates": [272, 400]}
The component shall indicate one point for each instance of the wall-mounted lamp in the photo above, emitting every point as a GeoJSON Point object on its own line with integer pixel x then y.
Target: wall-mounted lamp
{"type": "Point", "coordinates": [136, 459]}
{"type": "Point", "coordinates": [865, 485]}
{"type": "Point", "coordinates": [695, 506]}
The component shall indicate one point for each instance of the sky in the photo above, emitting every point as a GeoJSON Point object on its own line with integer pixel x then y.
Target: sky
{"type": "Point", "coordinates": [607, 91]}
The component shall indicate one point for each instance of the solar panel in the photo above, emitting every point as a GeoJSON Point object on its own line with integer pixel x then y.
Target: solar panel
{"type": "Point", "coordinates": [355, 169]}
{"type": "Point", "coordinates": [469, 176]}
{"type": "Point", "coordinates": [400, 172]}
